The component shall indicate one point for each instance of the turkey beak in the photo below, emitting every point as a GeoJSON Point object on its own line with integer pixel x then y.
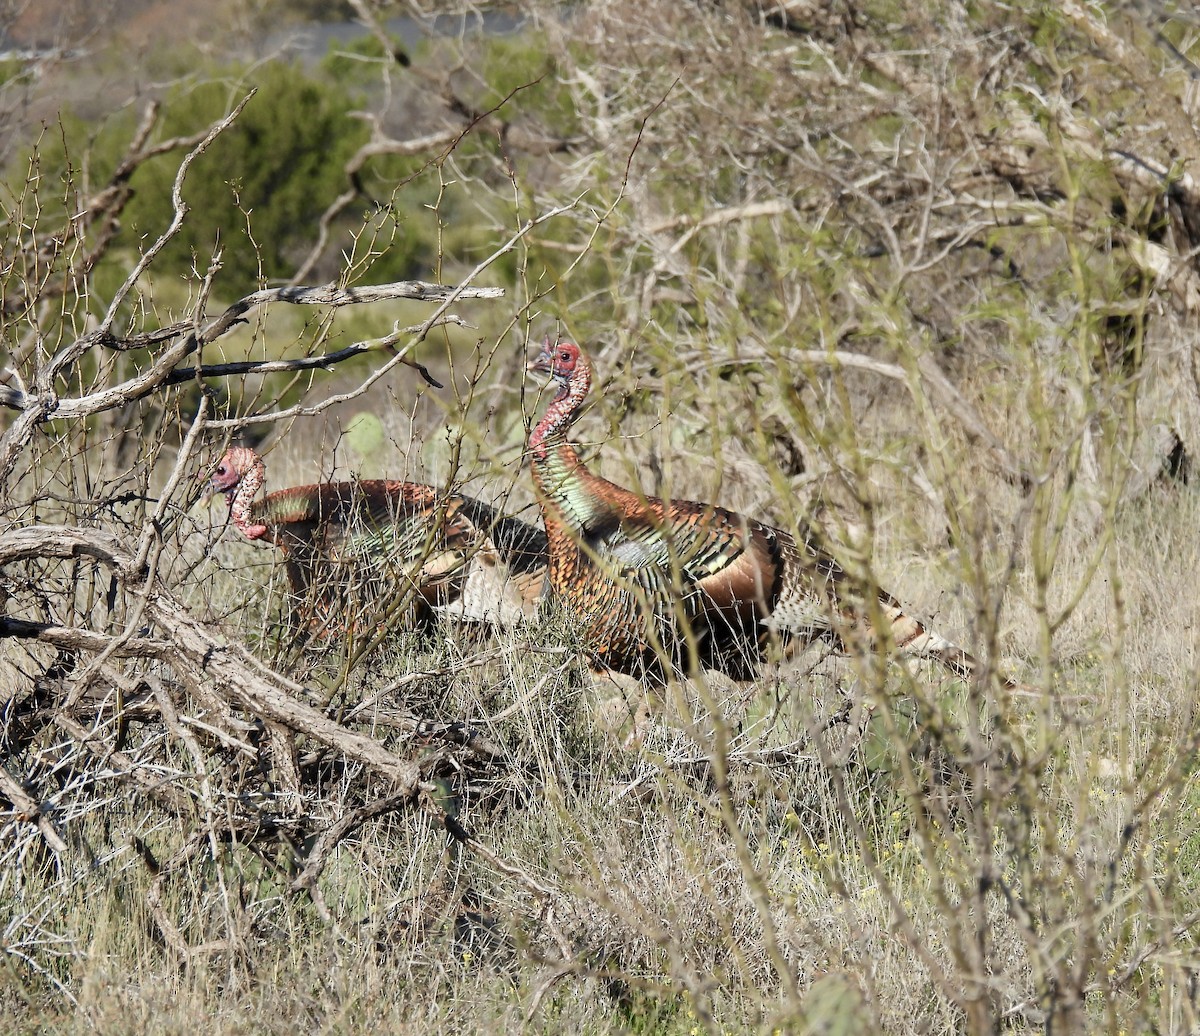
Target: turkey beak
{"type": "Point", "coordinates": [541, 364]}
{"type": "Point", "coordinates": [211, 487]}
{"type": "Point", "coordinates": [209, 490]}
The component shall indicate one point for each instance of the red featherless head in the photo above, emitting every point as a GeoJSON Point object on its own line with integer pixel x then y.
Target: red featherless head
{"type": "Point", "coordinates": [239, 476]}
{"type": "Point", "coordinates": [566, 364]}
{"type": "Point", "coordinates": [239, 466]}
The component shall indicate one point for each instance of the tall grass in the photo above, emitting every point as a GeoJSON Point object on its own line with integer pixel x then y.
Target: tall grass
{"type": "Point", "coordinates": [911, 309]}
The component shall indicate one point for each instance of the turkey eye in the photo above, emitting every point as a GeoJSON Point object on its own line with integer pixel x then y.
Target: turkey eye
{"type": "Point", "coordinates": [221, 470]}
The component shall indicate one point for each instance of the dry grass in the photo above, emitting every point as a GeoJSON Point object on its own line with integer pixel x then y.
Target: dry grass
{"type": "Point", "coordinates": [679, 894]}
{"type": "Point", "coordinates": [846, 844]}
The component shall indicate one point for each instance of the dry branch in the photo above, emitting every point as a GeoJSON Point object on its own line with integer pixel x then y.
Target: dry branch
{"type": "Point", "coordinates": [304, 363]}
{"type": "Point", "coordinates": [228, 674]}
{"type": "Point", "coordinates": [229, 670]}
{"type": "Point", "coordinates": [318, 856]}
{"type": "Point", "coordinates": [44, 404]}
{"type": "Point", "coordinates": [101, 211]}
{"type": "Point", "coordinates": [180, 211]}
{"type": "Point", "coordinates": [27, 809]}
{"type": "Point", "coordinates": [311, 410]}
{"type": "Point", "coordinates": [75, 639]}
{"type": "Point", "coordinates": [126, 768]}
{"type": "Point", "coordinates": [939, 388]}
{"type": "Point", "coordinates": [50, 407]}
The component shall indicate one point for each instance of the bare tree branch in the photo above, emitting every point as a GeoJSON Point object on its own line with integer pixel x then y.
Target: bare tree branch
{"type": "Point", "coordinates": [234, 674]}
{"type": "Point", "coordinates": [74, 639]}
{"type": "Point", "coordinates": [44, 404]}
{"type": "Point", "coordinates": [309, 410]}
{"type": "Point", "coordinates": [180, 213]}
{"type": "Point", "coordinates": [27, 809]}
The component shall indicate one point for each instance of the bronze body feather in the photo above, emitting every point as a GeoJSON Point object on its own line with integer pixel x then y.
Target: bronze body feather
{"type": "Point", "coordinates": [656, 585]}
{"type": "Point", "coordinates": [368, 543]}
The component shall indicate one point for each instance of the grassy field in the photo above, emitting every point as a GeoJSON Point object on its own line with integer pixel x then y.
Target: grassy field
{"type": "Point", "coordinates": [924, 276]}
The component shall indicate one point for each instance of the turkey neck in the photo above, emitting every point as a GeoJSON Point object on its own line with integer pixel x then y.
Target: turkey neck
{"type": "Point", "coordinates": [563, 481]}
{"type": "Point", "coordinates": [243, 497]}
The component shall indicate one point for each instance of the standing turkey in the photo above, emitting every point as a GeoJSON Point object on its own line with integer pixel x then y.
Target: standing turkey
{"type": "Point", "coordinates": [368, 543]}
{"type": "Point", "coordinates": [662, 585]}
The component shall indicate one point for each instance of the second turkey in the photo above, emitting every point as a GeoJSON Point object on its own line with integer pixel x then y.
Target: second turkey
{"type": "Point", "coordinates": [354, 548]}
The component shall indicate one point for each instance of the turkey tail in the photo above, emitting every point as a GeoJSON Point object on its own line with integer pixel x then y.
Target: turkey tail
{"type": "Point", "coordinates": [913, 637]}
{"type": "Point", "coordinates": [815, 585]}
{"type": "Point", "coordinates": [493, 593]}
{"type": "Point", "coordinates": [504, 566]}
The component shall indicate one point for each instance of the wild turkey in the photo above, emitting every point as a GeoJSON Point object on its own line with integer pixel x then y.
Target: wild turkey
{"type": "Point", "coordinates": [355, 544]}
{"type": "Point", "coordinates": [652, 581]}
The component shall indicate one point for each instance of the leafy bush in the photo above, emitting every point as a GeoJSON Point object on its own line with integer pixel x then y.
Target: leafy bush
{"type": "Point", "coordinates": [255, 195]}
